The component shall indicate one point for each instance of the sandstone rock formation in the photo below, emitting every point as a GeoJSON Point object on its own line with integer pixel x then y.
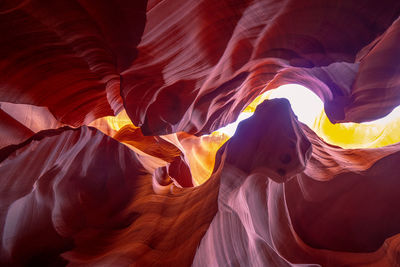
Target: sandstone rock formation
{"type": "Point", "coordinates": [159, 189]}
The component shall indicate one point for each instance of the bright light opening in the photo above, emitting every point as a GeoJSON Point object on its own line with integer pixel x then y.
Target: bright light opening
{"type": "Point", "coordinates": [309, 109]}
{"type": "Point", "coordinates": [305, 104]}
{"type": "Point", "coordinates": [230, 129]}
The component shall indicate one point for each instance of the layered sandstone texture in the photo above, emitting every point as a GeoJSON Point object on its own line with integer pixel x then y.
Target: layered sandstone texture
{"type": "Point", "coordinates": [107, 150]}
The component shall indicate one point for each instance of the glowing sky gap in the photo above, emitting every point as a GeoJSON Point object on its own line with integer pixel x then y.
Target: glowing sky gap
{"type": "Point", "coordinates": [309, 109]}
{"type": "Point", "coordinates": [305, 104]}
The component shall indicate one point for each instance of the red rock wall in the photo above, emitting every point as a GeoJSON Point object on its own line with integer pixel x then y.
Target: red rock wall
{"type": "Point", "coordinates": [67, 55]}
{"type": "Point", "coordinates": [278, 195]}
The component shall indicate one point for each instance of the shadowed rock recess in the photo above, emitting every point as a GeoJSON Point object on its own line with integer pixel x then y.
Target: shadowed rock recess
{"type": "Point", "coordinates": [108, 149]}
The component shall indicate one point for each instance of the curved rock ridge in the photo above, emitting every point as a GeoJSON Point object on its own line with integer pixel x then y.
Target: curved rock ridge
{"type": "Point", "coordinates": [327, 160]}
{"type": "Point", "coordinates": [349, 220]}
{"type": "Point", "coordinates": [152, 145]}
{"type": "Point", "coordinates": [11, 130]}
{"type": "Point", "coordinates": [56, 194]}
{"type": "Point", "coordinates": [21, 121]}
{"type": "Point", "coordinates": [354, 212]}
{"type": "Point", "coordinates": [84, 198]}
{"type": "Point", "coordinates": [275, 150]}
{"type": "Point", "coordinates": [155, 146]}
{"type": "Point", "coordinates": [33, 117]}
{"type": "Point", "coordinates": [250, 212]}
{"type": "Point", "coordinates": [157, 192]}
{"type": "Point", "coordinates": [67, 55]}
{"type": "Point", "coordinates": [200, 152]}
{"type": "Point", "coordinates": [197, 71]}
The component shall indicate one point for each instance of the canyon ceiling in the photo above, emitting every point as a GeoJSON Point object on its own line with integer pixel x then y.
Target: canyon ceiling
{"type": "Point", "coordinates": [108, 149]}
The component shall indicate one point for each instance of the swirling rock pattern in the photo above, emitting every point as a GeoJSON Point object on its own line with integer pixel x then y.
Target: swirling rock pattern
{"type": "Point", "coordinates": [83, 194]}
{"type": "Point", "coordinates": [348, 220]}
{"type": "Point", "coordinates": [277, 195]}
{"type": "Point", "coordinates": [67, 55]}
{"type": "Point", "coordinates": [205, 70]}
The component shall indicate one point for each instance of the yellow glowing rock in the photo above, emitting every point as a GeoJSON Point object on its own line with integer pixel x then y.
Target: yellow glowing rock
{"type": "Point", "coordinates": [110, 125]}
{"type": "Point", "coordinates": [200, 153]}
{"type": "Point", "coordinates": [358, 135]}
{"type": "Point", "coordinates": [309, 109]}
